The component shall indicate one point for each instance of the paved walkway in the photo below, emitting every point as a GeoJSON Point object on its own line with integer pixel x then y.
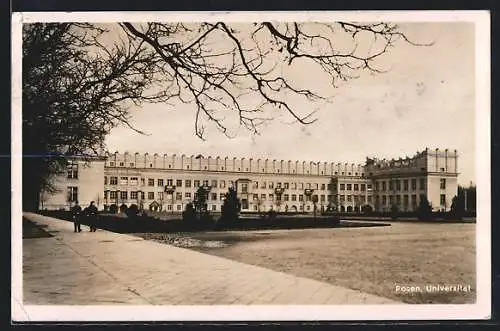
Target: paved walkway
{"type": "Point", "coordinates": [109, 268]}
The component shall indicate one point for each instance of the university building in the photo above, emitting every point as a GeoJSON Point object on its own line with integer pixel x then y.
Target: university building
{"type": "Point", "coordinates": [169, 182]}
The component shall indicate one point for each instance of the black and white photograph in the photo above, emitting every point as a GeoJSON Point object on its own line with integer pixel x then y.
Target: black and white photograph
{"type": "Point", "coordinates": [251, 166]}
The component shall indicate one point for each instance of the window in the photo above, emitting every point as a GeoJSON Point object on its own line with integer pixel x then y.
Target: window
{"type": "Point", "coordinates": [316, 186]}
{"type": "Point", "coordinates": [391, 185]}
{"type": "Point", "coordinates": [414, 184]}
{"type": "Point", "coordinates": [414, 199]}
{"type": "Point", "coordinates": [151, 182]}
{"type": "Point", "coordinates": [123, 195]}
{"type": "Point", "coordinates": [294, 186]}
{"type": "Point", "coordinates": [356, 187]}
{"type": "Point", "coordinates": [391, 199]}
{"type": "Point", "coordinates": [322, 198]}
{"type": "Point", "coordinates": [196, 183]}
{"type": "Point", "coordinates": [111, 164]}
{"type": "Point", "coordinates": [442, 169]}
{"type": "Point", "coordinates": [178, 183]}
{"type": "Point", "coordinates": [349, 198]}
{"type": "Point", "coordinates": [142, 195]}
{"type": "Point", "coordinates": [151, 165]}
{"type": "Point", "coordinates": [369, 199]}
{"type": "Point", "coordinates": [222, 184]}
{"type": "Point", "coordinates": [123, 180]}
{"type": "Point", "coordinates": [294, 197]}
{"type": "Point", "coordinates": [278, 185]}
{"type": "Point", "coordinates": [133, 195]}
{"type": "Point", "coordinates": [363, 187]}
{"type": "Point", "coordinates": [113, 180]}
{"type": "Point", "coordinates": [113, 195]}
{"type": "Point", "coordinates": [179, 207]}
{"type": "Point", "coordinates": [131, 164]}
{"type": "Point", "coordinates": [349, 174]}
{"type": "Point", "coordinates": [255, 185]}
{"type": "Point", "coordinates": [262, 184]}
{"type": "Point", "coordinates": [301, 197]}
{"type": "Point", "coordinates": [278, 197]}
{"type": "Point", "coordinates": [214, 207]}
{"type": "Point", "coordinates": [384, 200]}
{"type": "Point", "coordinates": [308, 185]}
{"type": "Point", "coordinates": [398, 200]}
{"type": "Point", "coordinates": [271, 185]}
{"type": "Point", "coordinates": [222, 196]}
{"type": "Point", "coordinates": [255, 197]}
{"type": "Point", "coordinates": [205, 182]}
{"type": "Point", "coordinates": [151, 195]}
{"type": "Point", "coordinates": [105, 180]}
{"type": "Point", "coordinates": [442, 199]}
{"type": "Point", "coordinates": [356, 199]}
{"type": "Point", "coordinates": [308, 207]}
{"type": "Point", "coordinates": [188, 183]}
{"type": "Point", "coordinates": [422, 184]}
{"type": "Point", "coordinates": [301, 186]}
{"type": "Point", "coordinates": [134, 181]}
{"type": "Point", "coordinates": [263, 197]}
{"type": "Point", "coordinates": [214, 196]}
{"type": "Point", "coordinates": [187, 195]}
{"type": "Point", "coordinates": [255, 207]}
{"type": "Point", "coordinates": [442, 183]}
{"type": "Point", "coordinates": [169, 166]}
{"type": "Point", "coordinates": [214, 183]}
{"type": "Point", "coordinates": [349, 187]}
{"type": "Point", "coordinates": [231, 183]}
{"type": "Point", "coordinates": [105, 194]}
{"type": "Point", "coordinates": [342, 187]}
{"type": "Point", "coordinates": [160, 182]}
{"type": "Point", "coordinates": [169, 207]}
{"type": "Point", "coordinates": [287, 197]}
{"type": "Point", "coordinates": [170, 182]}
{"type": "Point", "coordinates": [369, 186]}
{"type": "Point", "coordinates": [286, 185]}
{"type": "Point", "coordinates": [73, 170]}
{"type": "Point", "coordinates": [384, 186]}
{"type": "Point", "coordinates": [244, 188]}
{"type": "Point", "coordinates": [178, 195]}
{"type": "Point", "coordinates": [405, 200]}
{"type": "Point", "coordinates": [398, 185]}
{"type": "Point", "coordinates": [376, 186]}
{"type": "Point", "coordinates": [323, 187]}
{"type": "Point", "coordinates": [187, 167]}
{"type": "Point", "coordinates": [160, 196]}
{"type": "Point", "coordinates": [122, 164]}
{"type": "Point", "coordinates": [271, 197]}
{"type": "Point", "coordinates": [142, 181]}
{"type": "Point", "coordinates": [72, 193]}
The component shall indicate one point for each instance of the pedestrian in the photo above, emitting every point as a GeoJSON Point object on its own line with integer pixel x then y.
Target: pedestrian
{"type": "Point", "coordinates": [76, 213]}
{"type": "Point", "coordinates": [92, 214]}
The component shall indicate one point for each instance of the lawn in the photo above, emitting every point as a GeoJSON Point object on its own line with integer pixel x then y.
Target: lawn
{"type": "Point", "coordinates": [370, 259]}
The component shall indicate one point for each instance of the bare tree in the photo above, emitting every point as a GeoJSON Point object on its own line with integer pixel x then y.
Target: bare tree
{"type": "Point", "coordinates": [80, 80]}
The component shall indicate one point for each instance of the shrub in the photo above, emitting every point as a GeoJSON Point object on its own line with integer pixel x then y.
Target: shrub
{"type": "Point", "coordinates": [394, 212]}
{"type": "Point", "coordinates": [271, 215]}
{"type": "Point", "coordinates": [189, 213]}
{"type": "Point", "coordinates": [367, 209]}
{"type": "Point", "coordinates": [424, 210]}
{"type": "Point", "coordinates": [230, 208]}
{"type": "Point", "coordinates": [457, 209]}
{"type": "Point", "coordinates": [132, 211]}
{"type": "Point", "coordinates": [113, 209]}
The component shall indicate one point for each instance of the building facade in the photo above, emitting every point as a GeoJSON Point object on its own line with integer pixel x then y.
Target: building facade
{"type": "Point", "coordinates": [169, 182]}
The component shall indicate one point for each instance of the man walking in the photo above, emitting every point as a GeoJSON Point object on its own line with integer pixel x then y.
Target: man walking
{"type": "Point", "coordinates": [76, 212]}
{"type": "Point", "coordinates": [92, 214]}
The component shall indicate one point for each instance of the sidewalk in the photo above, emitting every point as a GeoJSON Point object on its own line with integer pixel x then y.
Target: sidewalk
{"type": "Point", "coordinates": [103, 268]}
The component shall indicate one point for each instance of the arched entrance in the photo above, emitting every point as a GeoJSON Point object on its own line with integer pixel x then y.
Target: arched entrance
{"type": "Point", "coordinates": [349, 209]}
{"type": "Point", "coordinates": [154, 206]}
{"type": "Point", "coordinates": [293, 209]}
{"type": "Point", "coordinates": [342, 209]}
{"type": "Point", "coordinates": [356, 209]}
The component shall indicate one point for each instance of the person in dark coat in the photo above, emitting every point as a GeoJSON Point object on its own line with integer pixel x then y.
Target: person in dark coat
{"type": "Point", "coordinates": [76, 213]}
{"type": "Point", "coordinates": [92, 214]}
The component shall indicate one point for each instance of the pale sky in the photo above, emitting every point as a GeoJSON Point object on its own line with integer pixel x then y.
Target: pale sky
{"type": "Point", "coordinates": [426, 99]}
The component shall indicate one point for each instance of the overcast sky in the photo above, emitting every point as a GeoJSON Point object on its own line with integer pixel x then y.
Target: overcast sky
{"type": "Point", "coordinates": [426, 99]}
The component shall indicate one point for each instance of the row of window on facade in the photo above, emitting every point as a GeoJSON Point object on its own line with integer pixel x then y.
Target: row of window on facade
{"type": "Point", "coordinates": [134, 181]}
{"type": "Point", "coordinates": [135, 195]}
{"type": "Point", "coordinates": [343, 173]}
{"type": "Point", "coordinates": [405, 199]}
{"type": "Point", "coordinates": [396, 184]}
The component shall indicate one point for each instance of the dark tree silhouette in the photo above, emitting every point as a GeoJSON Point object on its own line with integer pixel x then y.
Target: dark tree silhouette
{"type": "Point", "coordinates": [80, 80]}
